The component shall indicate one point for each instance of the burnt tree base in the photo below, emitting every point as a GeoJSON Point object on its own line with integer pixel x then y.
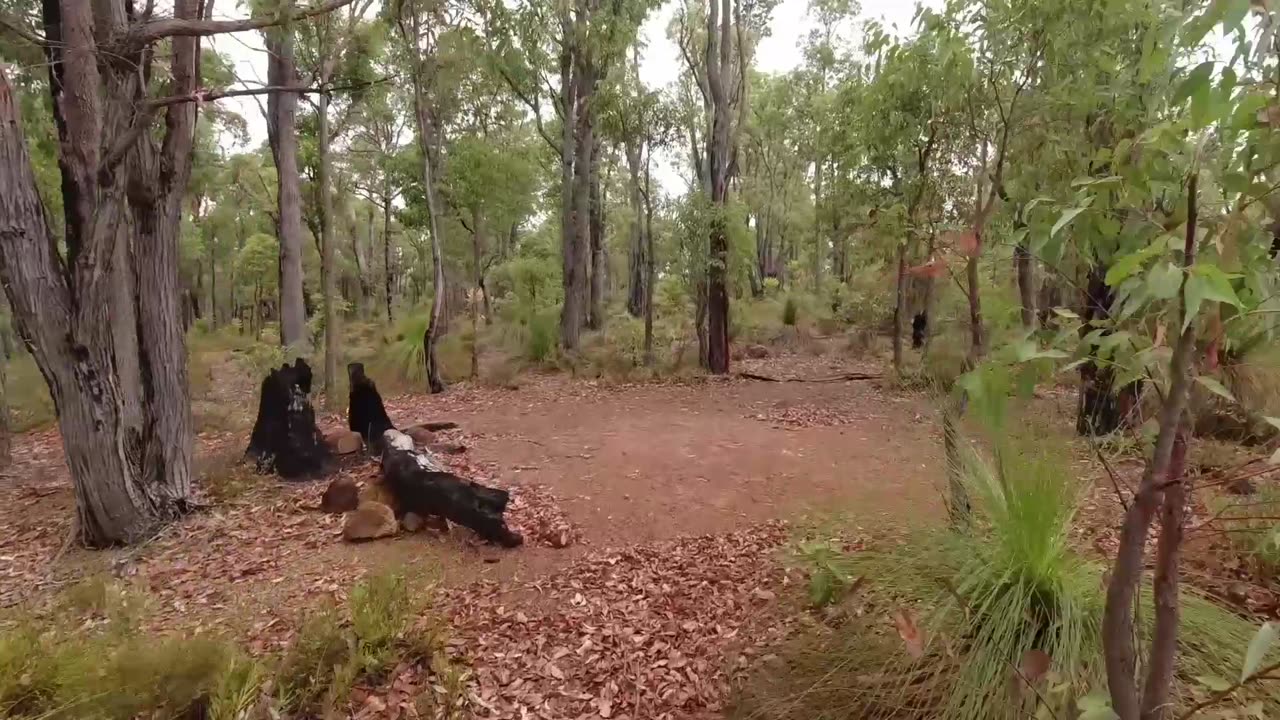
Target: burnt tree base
{"type": "Point", "coordinates": [365, 411]}
{"type": "Point", "coordinates": [422, 486]}
{"type": "Point", "coordinates": [285, 439]}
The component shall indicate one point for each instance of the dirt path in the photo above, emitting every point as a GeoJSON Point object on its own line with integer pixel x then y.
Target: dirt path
{"type": "Point", "coordinates": [671, 492]}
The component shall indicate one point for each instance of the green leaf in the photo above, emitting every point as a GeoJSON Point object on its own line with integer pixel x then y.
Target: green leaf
{"type": "Point", "coordinates": [1214, 683]}
{"type": "Point", "coordinates": [1197, 81]}
{"type": "Point", "coordinates": [1066, 313]}
{"type": "Point", "coordinates": [1259, 646]}
{"type": "Point", "coordinates": [1219, 284]}
{"type": "Point", "coordinates": [1129, 264]}
{"type": "Point", "coordinates": [1273, 422]}
{"type": "Point", "coordinates": [1164, 280]}
{"type": "Point", "coordinates": [1215, 387]}
{"type": "Point", "coordinates": [1066, 219]}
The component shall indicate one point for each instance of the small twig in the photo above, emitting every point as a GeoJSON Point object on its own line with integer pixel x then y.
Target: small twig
{"type": "Point", "coordinates": [1115, 480]}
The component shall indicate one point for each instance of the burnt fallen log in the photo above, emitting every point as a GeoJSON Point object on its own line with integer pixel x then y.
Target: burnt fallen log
{"type": "Point", "coordinates": [418, 483]}
{"type": "Point", "coordinates": [285, 439]}
{"type": "Point", "coordinates": [365, 411]}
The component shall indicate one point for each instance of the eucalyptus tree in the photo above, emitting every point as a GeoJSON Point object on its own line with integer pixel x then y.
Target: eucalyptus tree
{"type": "Point", "coordinates": [110, 345]}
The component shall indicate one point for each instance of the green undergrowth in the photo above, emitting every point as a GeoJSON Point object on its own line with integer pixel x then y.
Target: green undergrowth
{"type": "Point", "coordinates": [89, 657]}
{"type": "Point", "coordinates": [942, 624]}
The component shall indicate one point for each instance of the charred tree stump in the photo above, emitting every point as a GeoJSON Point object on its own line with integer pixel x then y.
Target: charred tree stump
{"type": "Point", "coordinates": [421, 485]}
{"type": "Point", "coordinates": [365, 412]}
{"type": "Point", "coordinates": [285, 439]}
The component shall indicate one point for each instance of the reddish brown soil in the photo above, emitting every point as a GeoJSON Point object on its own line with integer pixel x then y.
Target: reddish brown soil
{"type": "Point", "coordinates": [638, 470]}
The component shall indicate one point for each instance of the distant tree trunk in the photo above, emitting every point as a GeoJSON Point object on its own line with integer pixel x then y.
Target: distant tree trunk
{"type": "Point", "coordinates": [325, 213]}
{"type": "Point", "coordinates": [386, 250]}
{"type": "Point", "coordinates": [410, 22]}
{"type": "Point", "coordinates": [121, 392]}
{"type": "Point", "coordinates": [595, 317]}
{"type": "Point", "coordinates": [1103, 408]}
{"type": "Point", "coordinates": [572, 312]}
{"type": "Point", "coordinates": [817, 227]}
{"type": "Point", "coordinates": [719, 39]}
{"type": "Point", "coordinates": [900, 308]}
{"type": "Point", "coordinates": [1026, 284]}
{"type": "Point", "coordinates": [649, 264]}
{"type": "Point", "coordinates": [477, 250]}
{"type": "Point", "coordinates": [363, 266]}
{"type": "Point", "coordinates": [282, 134]}
{"type": "Point", "coordinates": [758, 270]}
{"type": "Point", "coordinates": [577, 282]}
{"type": "Point", "coordinates": [637, 267]}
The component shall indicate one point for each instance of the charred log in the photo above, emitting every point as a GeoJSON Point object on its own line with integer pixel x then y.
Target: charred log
{"type": "Point", "coordinates": [285, 439]}
{"type": "Point", "coordinates": [365, 411]}
{"type": "Point", "coordinates": [421, 485]}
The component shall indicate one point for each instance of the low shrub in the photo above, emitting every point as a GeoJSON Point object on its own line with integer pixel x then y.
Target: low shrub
{"type": "Point", "coordinates": [969, 607]}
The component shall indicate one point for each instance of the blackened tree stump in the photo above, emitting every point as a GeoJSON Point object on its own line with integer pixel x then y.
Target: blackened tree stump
{"type": "Point", "coordinates": [365, 412]}
{"type": "Point", "coordinates": [421, 485]}
{"type": "Point", "coordinates": [285, 439]}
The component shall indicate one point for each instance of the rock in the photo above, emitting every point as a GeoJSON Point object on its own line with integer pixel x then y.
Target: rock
{"type": "Point", "coordinates": [422, 437]}
{"type": "Point", "coordinates": [757, 352]}
{"type": "Point", "coordinates": [343, 442]}
{"type": "Point", "coordinates": [341, 496]}
{"type": "Point", "coordinates": [377, 492]}
{"type": "Point", "coordinates": [369, 521]}
{"type": "Point", "coordinates": [447, 448]}
{"type": "Point", "coordinates": [412, 522]}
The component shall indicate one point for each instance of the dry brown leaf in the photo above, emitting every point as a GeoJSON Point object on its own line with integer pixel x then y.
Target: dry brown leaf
{"type": "Point", "coordinates": [912, 637]}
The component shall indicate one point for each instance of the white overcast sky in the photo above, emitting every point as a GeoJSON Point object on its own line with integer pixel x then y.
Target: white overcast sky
{"type": "Point", "coordinates": [660, 63]}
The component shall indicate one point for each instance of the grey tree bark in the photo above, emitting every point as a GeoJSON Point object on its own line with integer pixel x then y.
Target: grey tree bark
{"type": "Point", "coordinates": [325, 213]}
{"type": "Point", "coordinates": [599, 267]}
{"type": "Point", "coordinates": [111, 346]}
{"type": "Point", "coordinates": [282, 110]}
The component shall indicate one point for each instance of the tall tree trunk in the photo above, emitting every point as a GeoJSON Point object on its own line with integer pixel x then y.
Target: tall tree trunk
{"type": "Point", "coordinates": [637, 267]}
{"type": "Point", "coordinates": [386, 250]}
{"type": "Point", "coordinates": [325, 207]}
{"type": "Point", "coordinates": [577, 289]}
{"type": "Point", "coordinates": [121, 392]}
{"type": "Point", "coordinates": [649, 264]}
{"type": "Point", "coordinates": [595, 317]}
{"type": "Point", "coordinates": [572, 311]}
{"type": "Point", "coordinates": [477, 250]}
{"type": "Point", "coordinates": [282, 133]}
{"type": "Point", "coordinates": [718, 153]}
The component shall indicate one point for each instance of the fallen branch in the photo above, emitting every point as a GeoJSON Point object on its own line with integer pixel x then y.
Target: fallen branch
{"type": "Point", "coordinates": [842, 377]}
{"type": "Point", "coordinates": [421, 485]}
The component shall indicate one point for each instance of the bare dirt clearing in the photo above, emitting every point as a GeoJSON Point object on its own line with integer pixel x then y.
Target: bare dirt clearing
{"type": "Point", "coordinates": [668, 496]}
